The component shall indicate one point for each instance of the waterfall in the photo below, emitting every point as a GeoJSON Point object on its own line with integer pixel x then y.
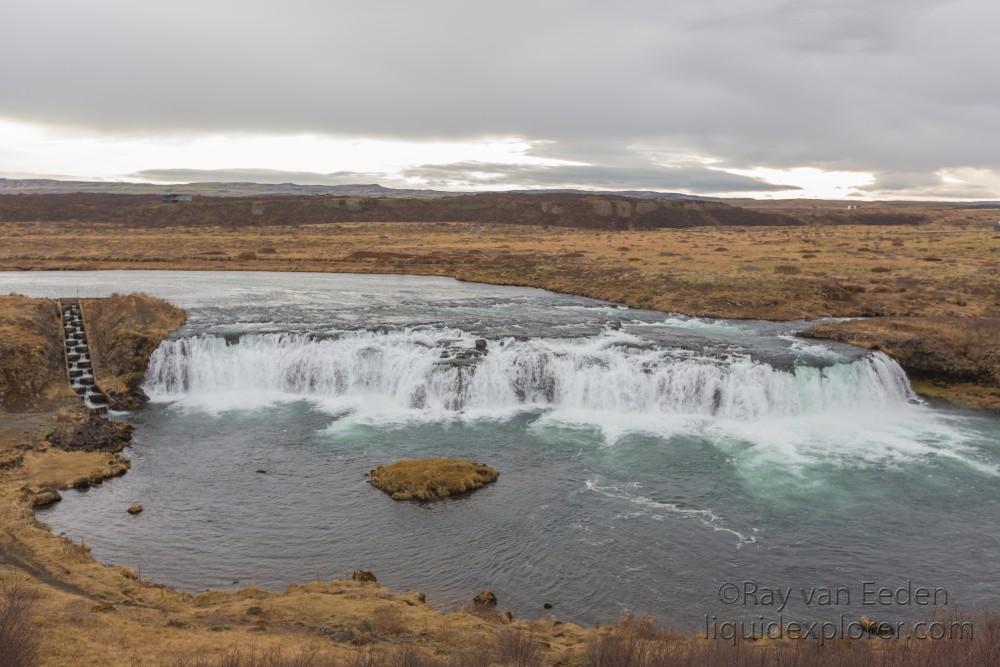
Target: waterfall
{"type": "Point", "coordinates": [440, 372]}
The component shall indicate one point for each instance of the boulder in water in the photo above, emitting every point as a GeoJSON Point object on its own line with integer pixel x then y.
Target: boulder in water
{"type": "Point", "coordinates": [135, 508]}
{"type": "Point", "coordinates": [485, 600]}
{"type": "Point", "coordinates": [463, 356]}
{"type": "Point", "coordinates": [364, 576]}
{"type": "Point", "coordinates": [431, 479]}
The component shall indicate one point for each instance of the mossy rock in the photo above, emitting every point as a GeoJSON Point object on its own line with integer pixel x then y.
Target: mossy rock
{"type": "Point", "coordinates": [431, 479]}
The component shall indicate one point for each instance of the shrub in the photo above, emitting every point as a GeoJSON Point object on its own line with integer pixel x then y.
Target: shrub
{"type": "Point", "coordinates": [787, 269]}
{"type": "Point", "coordinates": [254, 658]}
{"type": "Point", "coordinates": [388, 619]}
{"type": "Point", "coordinates": [516, 648]}
{"type": "Point", "coordinates": [18, 638]}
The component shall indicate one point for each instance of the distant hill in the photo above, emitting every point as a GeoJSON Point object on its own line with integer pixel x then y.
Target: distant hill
{"type": "Point", "coordinates": [10, 186]}
{"type": "Point", "coordinates": [631, 194]}
{"type": "Point", "coordinates": [594, 211]}
{"type": "Point", "coordinates": [984, 204]}
{"type": "Point", "coordinates": [239, 204]}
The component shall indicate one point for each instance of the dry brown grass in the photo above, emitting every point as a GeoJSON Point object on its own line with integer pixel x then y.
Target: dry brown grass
{"type": "Point", "coordinates": [389, 620]}
{"type": "Point", "coordinates": [257, 658]}
{"type": "Point", "coordinates": [676, 269]}
{"type": "Point", "coordinates": [625, 647]}
{"type": "Point", "coordinates": [511, 648]}
{"type": "Point", "coordinates": [19, 638]}
{"type": "Point", "coordinates": [431, 479]}
{"type": "Point", "coordinates": [32, 372]}
{"type": "Point", "coordinates": [518, 648]}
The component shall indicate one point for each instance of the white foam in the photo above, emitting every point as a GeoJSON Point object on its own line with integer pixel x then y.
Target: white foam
{"type": "Point", "coordinates": [649, 506]}
{"type": "Point", "coordinates": [815, 350]}
{"type": "Point", "coordinates": [696, 324]}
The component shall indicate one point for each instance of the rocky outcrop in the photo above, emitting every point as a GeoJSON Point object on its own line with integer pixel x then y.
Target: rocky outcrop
{"type": "Point", "coordinates": [81, 432]}
{"type": "Point", "coordinates": [959, 356]}
{"type": "Point", "coordinates": [454, 352]}
{"type": "Point", "coordinates": [485, 600]}
{"type": "Point", "coordinates": [431, 479]}
{"type": "Point", "coordinates": [364, 577]}
{"type": "Point", "coordinates": [43, 497]}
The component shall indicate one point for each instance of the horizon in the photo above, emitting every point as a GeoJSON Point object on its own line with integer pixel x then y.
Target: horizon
{"type": "Point", "coordinates": [180, 185]}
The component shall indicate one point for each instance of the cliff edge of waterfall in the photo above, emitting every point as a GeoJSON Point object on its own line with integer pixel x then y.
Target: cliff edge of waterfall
{"type": "Point", "coordinates": [956, 360]}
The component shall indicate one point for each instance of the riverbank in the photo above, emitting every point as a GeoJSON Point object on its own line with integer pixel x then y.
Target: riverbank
{"type": "Point", "coordinates": [940, 272]}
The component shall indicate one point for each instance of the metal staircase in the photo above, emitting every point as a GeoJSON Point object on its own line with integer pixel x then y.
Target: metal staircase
{"type": "Point", "coordinates": [79, 368]}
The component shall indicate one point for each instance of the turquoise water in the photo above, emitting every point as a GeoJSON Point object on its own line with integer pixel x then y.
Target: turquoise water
{"type": "Point", "coordinates": [645, 459]}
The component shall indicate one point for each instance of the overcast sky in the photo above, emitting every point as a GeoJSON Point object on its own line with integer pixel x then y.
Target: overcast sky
{"type": "Point", "coordinates": [862, 98]}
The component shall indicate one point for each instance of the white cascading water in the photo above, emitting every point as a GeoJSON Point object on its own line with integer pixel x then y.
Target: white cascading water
{"type": "Point", "coordinates": [610, 373]}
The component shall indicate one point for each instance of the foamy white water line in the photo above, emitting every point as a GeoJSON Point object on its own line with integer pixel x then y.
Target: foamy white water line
{"type": "Point", "coordinates": [605, 373]}
{"type": "Point", "coordinates": [705, 516]}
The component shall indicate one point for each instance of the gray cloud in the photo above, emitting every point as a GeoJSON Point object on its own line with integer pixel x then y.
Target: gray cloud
{"type": "Point", "coordinates": [697, 179]}
{"type": "Point", "coordinates": [888, 86]}
{"type": "Point", "coordinates": [482, 174]}
{"type": "Point", "coordinates": [930, 186]}
{"type": "Point", "coordinates": [904, 181]}
{"type": "Point", "coordinates": [266, 176]}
